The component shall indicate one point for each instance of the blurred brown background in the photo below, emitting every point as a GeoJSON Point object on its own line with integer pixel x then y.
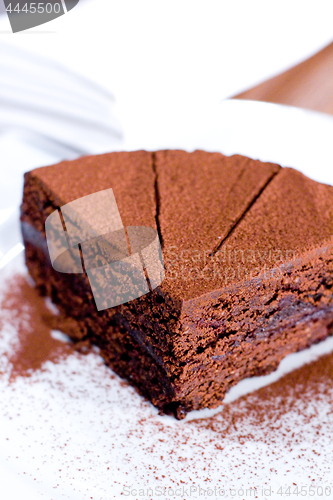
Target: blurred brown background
{"type": "Point", "coordinates": [307, 85]}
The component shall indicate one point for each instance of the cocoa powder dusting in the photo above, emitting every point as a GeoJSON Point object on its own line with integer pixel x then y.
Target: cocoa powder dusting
{"type": "Point", "coordinates": [33, 322]}
{"type": "Point", "coordinates": [278, 435]}
{"type": "Point", "coordinates": [264, 411]}
{"type": "Point", "coordinates": [258, 415]}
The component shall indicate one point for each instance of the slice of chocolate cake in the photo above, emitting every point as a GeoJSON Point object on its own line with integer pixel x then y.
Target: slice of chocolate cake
{"type": "Point", "coordinates": [247, 249]}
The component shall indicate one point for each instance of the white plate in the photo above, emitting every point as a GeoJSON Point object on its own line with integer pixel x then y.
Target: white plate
{"type": "Point", "coordinates": [74, 431]}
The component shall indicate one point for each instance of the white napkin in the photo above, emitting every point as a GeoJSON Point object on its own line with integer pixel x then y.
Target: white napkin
{"type": "Point", "coordinates": [42, 96]}
{"type": "Point", "coordinates": [167, 63]}
{"type": "Point", "coordinates": [169, 66]}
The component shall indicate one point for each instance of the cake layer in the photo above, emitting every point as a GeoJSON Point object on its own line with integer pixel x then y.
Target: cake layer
{"type": "Point", "coordinates": [258, 237]}
{"type": "Point", "coordinates": [202, 196]}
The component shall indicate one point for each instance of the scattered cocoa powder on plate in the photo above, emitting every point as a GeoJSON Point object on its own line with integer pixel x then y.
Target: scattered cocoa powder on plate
{"type": "Point", "coordinates": [263, 409]}
{"type": "Point", "coordinates": [262, 414]}
{"type": "Point", "coordinates": [27, 312]}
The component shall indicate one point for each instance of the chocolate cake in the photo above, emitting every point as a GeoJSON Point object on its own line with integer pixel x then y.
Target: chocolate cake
{"type": "Point", "coordinates": [247, 250]}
